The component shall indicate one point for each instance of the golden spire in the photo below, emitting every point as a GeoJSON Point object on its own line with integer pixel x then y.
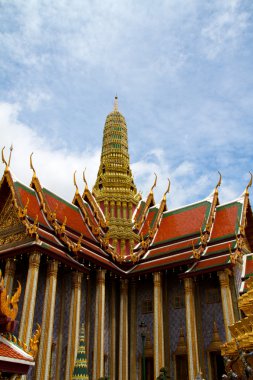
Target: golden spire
{"type": "Point", "coordinates": [114, 189]}
{"type": "Point", "coordinates": [116, 105]}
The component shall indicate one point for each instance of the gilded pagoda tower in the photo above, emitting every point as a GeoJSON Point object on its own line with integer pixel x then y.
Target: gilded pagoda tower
{"type": "Point", "coordinates": [114, 189]}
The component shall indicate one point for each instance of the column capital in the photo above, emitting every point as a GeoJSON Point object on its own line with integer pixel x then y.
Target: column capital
{"type": "Point", "coordinates": [52, 268]}
{"type": "Point", "coordinates": [224, 277]}
{"type": "Point", "coordinates": [77, 279]}
{"type": "Point", "coordinates": [34, 260]}
{"type": "Point", "coordinates": [10, 267]}
{"type": "Point", "coordinates": [188, 285]}
{"type": "Point", "coordinates": [157, 276]}
{"type": "Point", "coordinates": [124, 284]}
{"type": "Point", "coordinates": [100, 278]}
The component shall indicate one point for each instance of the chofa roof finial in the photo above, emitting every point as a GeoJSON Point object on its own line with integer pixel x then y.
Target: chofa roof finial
{"type": "Point", "coordinates": [31, 165]}
{"type": "Point", "coordinates": [167, 191]}
{"type": "Point", "coordinates": [250, 182]}
{"type": "Point", "coordinates": [154, 185]}
{"type": "Point", "coordinates": [7, 164]}
{"type": "Point", "coordinates": [77, 191]}
{"type": "Point", "coordinates": [219, 182]}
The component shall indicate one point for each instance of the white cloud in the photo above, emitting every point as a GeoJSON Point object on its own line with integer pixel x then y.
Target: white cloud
{"type": "Point", "coordinates": [224, 28]}
{"type": "Point", "coordinates": [54, 166]}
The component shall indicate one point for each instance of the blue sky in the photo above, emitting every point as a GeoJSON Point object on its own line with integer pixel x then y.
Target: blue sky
{"type": "Point", "coordinates": [182, 70]}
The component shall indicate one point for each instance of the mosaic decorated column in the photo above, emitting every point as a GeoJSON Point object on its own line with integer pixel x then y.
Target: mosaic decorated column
{"type": "Point", "coordinates": [226, 299]}
{"type": "Point", "coordinates": [158, 325]}
{"type": "Point", "coordinates": [113, 331]}
{"type": "Point", "coordinates": [9, 273]}
{"type": "Point", "coordinates": [60, 332]}
{"type": "Point", "coordinates": [44, 354]}
{"type": "Point", "coordinates": [191, 330]}
{"type": "Point", "coordinates": [133, 331]}
{"type": "Point", "coordinates": [26, 324]}
{"type": "Point", "coordinates": [98, 356]}
{"type": "Point", "coordinates": [74, 323]}
{"type": "Point", "coordinates": [123, 332]}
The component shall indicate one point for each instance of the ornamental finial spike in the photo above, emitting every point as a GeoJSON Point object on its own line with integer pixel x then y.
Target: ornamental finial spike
{"type": "Point", "coordinates": [84, 179]}
{"type": "Point", "coordinates": [250, 182]}
{"type": "Point", "coordinates": [11, 149]}
{"type": "Point", "coordinates": [154, 185]}
{"type": "Point", "coordinates": [219, 182]}
{"type": "Point", "coordinates": [3, 158]}
{"type": "Point", "coordinates": [116, 105]}
{"type": "Point", "coordinates": [31, 165]}
{"type": "Point", "coordinates": [167, 191]}
{"type": "Point", "coordinates": [75, 182]}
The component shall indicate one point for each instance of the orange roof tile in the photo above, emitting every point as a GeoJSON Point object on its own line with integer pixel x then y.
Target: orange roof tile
{"type": "Point", "coordinates": [172, 248]}
{"type": "Point", "coordinates": [63, 208]}
{"type": "Point", "coordinates": [10, 350]}
{"type": "Point", "coordinates": [226, 221]}
{"type": "Point", "coordinates": [219, 248]}
{"type": "Point", "coordinates": [33, 208]}
{"type": "Point", "coordinates": [210, 264]}
{"type": "Point", "coordinates": [182, 222]}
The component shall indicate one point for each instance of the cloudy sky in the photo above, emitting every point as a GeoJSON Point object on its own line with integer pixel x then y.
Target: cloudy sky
{"type": "Point", "coordinates": [182, 70]}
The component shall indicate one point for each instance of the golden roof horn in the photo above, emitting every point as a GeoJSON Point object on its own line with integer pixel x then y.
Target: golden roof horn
{"type": "Point", "coordinates": [11, 149]}
{"type": "Point", "coordinates": [250, 182]}
{"type": "Point", "coordinates": [31, 165]}
{"type": "Point", "coordinates": [84, 178]}
{"type": "Point", "coordinates": [167, 191]}
{"type": "Point", "coordinates": [3, 158]}
{"type": "Point", "coordinates": [154, 185]}
{"type": "Point", "coordinates": [77, 191]}
{"type": "Point", "coordinates": [219, 182]}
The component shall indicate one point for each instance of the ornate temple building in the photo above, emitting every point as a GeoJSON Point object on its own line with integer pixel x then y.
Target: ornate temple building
{"type": "Point", "coordinates": [154, 286]}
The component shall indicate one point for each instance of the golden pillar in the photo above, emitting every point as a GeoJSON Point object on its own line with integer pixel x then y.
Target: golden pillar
{"type": "Point", "coordinates": [113, 331]}
{"type": "Point", "coordinates": [123, 333]}
{"type": "Point", "coordinates": [74, 324]}
{"type": "Point", "coordinates": [191, 330]}
{"type": "Point", "coordinates": [9, 273]}
{"type": "Point", "coordinates": [226, 299]}
{"type": "Point", "coordinates": [118, 203]}
{"type": "Point", "coordinates": [88, 315]}
{"type": "Point", "coordinates": [44, 354]}
{"type": "Point", "coordinates": [133, 331]}
{"type": "Point", "coordinates": [158, 325]}
{"type": "Point", "coordinates": [60, 333]}
{"type": "Point", "coordinates": [98, 356]}
{"type": "Point", "coordinates": [26, 324]}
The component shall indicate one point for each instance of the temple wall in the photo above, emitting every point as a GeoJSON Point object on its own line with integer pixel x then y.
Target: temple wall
{"type": "Point", "coordinates": [92, 308]}
{"type": "Point", "coordinates": [144, 292]}
{"type": "Point", "coordinates": [211, 310]}
{"type": "Point", "coordinates": [107, 328]}
{"type": "Point", "coordinates": [176, 315]}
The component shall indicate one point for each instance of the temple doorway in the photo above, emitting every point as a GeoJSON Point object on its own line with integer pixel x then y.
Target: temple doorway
{"type": "Point", "coordinates": [149, 368]}
{"type": "Point", "coordinates": [181, 367]}
{"type": "Point", "coordinates": [217, 365]}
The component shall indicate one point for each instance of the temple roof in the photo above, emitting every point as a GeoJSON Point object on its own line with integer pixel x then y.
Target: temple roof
{"type": "Point", "coordinates": [13, 359]}
{"type": "Point", "coordinates": [202, 236]}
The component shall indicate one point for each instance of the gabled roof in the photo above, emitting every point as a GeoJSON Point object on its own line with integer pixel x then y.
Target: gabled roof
{"type": "Point", "coordinates": [14, 359]}
{"type": "Point", "coordinates": [182, 223]}
{"type": "Point", "coordinates": [203, 235]}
